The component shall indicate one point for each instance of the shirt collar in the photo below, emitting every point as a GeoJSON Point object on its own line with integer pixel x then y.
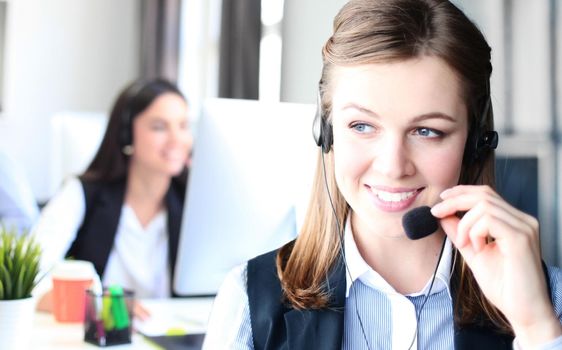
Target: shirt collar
{"type": "Point", "coordinates": [358, 269]}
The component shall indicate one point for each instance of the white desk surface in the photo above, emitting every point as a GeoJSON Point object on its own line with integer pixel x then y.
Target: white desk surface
{"type": "Point", "coordinates": [47, 334]}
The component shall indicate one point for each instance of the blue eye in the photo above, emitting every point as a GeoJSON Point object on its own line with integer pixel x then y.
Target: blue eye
{"type": "Point", "coordinates": [362, 127]}
{"type": "Point", "coordinates": [429, 133]}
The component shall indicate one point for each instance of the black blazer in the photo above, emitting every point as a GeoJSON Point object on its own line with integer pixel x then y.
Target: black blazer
{"type": "Point", "coordinates": [104, 201]}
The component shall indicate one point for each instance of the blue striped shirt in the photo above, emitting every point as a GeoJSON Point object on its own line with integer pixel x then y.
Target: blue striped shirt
{"type": "Point", "coordinates": [388, 317]}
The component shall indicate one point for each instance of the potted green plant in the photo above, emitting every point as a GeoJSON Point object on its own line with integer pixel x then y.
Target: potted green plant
{"type": "Point", "coordinates": [19, 267]}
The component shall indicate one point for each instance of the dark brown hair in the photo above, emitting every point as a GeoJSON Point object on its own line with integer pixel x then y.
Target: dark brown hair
{"type": "Point", "coordinates": [377, 31]}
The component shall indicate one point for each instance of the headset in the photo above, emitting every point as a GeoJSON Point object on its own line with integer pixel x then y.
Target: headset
{"type": "Point", "coordinates": [321, 128]}
{"type": "Point", "coordinates": [126, 129]}
{"type": "Point", "coordinates": [479, 144]}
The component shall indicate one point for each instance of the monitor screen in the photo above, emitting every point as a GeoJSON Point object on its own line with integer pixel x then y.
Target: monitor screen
{"type": "Point", "coordinates": [517, 181]}
{"type": "Point", "coordinates": [252, 168]}
{"type": "Point", "coordinates": [525, 177]}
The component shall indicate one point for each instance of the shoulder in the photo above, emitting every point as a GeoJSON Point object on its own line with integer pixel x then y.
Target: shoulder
{"type": "Point", "coordinates": [72, 187]}
{"type": "Point", "coordinates": [264, 267]}
{"type": "Point", "coordinates": [229, 324]}
{"type": "Point", "coordinates": [263, 286]}
{"type": "Point", "coordinates": [262, 270]}
{"type": "Point", "coordinates": [69, 198]}
{"type": "Point", "coordinates": [99, 185]}
{"type": "Point", "coordinates": [264, 259]}
{"type": "Point", "coordinates": [63, 215]}
{"type": "Point", "coordinates": [90, 187]}
{"type": "Point", "coordinates": [235, 281]}
{"type": "Point", "coordinates": [113, 191]}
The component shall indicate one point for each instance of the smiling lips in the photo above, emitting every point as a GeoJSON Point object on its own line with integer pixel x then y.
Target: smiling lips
{"type": "Point", "coordinates": [393, 200]}
{"type": "Point", "coordinates": [174, 155]}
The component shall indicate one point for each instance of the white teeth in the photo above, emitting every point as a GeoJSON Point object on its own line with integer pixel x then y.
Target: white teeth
{"type": "Point", "coordinates": [394, 197]}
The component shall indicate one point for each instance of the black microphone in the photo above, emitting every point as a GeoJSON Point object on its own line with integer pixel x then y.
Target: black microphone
{"type": "Point", "coordinates": [419, 223]}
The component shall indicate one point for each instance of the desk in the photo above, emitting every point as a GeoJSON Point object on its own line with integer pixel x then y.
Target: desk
{"type": "Point", "coordinates": [47, 334]}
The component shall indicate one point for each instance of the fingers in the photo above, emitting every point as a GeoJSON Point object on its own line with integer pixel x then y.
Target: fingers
{"type": "Point", "coordinates": [500, 245]}
{"type": "Point", "coordinates": [450, 224]}
{"type": "Point", "coordinates": [45, 302]}
{"type": "Point", "coordinates": [487, 216]}
{"type": "Point", "coordinates": [140, 311]}
{"type": "Point", "coordinates": [464, 198]}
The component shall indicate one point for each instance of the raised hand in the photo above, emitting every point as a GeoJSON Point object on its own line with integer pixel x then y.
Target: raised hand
{"type": "Point", "coordinates": [501, 246]}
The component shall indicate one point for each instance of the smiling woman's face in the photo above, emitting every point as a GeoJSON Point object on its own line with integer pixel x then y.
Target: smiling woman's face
{"type": "Point", "coordinates": [162, 139]}
{"type": "Point", "coordinates": [399, 135]}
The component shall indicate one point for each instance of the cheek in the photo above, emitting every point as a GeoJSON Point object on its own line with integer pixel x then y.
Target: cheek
{"type": "Point", "coordinates": [442, 168]}
{"type": "Point", "coordinates": [350, 163]}
{"type": "Point", "coordinates": [188, 141]}
{"type": "Point", "coordinates": [146, 141]}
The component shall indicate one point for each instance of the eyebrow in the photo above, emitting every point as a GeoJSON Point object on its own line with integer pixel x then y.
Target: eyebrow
{"type": "Point", "coordinates": [158, 117]}
{"type": "Point", "coordinates": [417, 119]}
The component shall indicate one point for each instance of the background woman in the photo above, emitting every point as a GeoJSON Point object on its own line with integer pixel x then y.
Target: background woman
{"type": "Point", "coordinates": [123, 214]}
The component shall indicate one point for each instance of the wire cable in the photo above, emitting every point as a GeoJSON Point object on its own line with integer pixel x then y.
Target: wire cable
{"type": "Point", "coordinates": [342, 253]}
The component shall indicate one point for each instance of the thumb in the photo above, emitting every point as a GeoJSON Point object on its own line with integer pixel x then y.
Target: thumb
{"type": "Point", "coordinates": [449, 224]}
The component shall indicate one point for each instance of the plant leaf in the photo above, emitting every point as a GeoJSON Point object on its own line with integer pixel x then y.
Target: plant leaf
{"type": "Point", "coordinates": [7, 280]}
{"type": "Point", "coordinates": [19, 264]}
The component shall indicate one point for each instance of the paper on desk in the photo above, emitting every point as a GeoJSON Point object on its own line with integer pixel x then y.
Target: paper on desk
{"type": "Point", "coordinates": [158, 325]}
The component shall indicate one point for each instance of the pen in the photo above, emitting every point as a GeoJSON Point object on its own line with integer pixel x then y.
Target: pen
{"type": "Point", "coordinates": [119, 307]}
{"type": "Point", "coordinates": [97, 291]}
{"type": "Point", "coordinates": [101, 332]}
{"type": "Point", "coordinates": [107, 317]}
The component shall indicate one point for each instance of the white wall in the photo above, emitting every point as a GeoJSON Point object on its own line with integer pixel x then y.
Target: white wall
{"type": "Point", "coordinates": [532, 68]}
{"type": "Point", "coordinates": [62, 55]}
{"type": "Point", "coordinates": [306, 27]}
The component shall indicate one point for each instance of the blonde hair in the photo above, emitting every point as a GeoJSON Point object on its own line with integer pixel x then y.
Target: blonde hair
{"type": "Point", "coordinates": [374, 31]}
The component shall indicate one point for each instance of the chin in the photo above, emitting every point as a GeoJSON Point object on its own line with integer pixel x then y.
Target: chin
{"type": "Point", "coordinates": [177, 170]}
{"type": "Point", "coordinates": [169, 170]}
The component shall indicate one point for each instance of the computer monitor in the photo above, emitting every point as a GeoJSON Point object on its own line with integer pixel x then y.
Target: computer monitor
{"type": "Point", "coordinates": [525, 177]}
{"type": "Point", "coordinates": [248, 188]}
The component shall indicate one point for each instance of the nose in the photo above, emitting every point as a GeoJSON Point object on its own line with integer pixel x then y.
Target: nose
{"type": "Point", "coordinates": [180, 135]}
{"type": "Point", "coordinates": [393, 158]}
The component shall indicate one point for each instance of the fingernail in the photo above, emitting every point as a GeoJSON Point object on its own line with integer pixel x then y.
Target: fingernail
{"type": "Point", "coordinates": [435, 209]}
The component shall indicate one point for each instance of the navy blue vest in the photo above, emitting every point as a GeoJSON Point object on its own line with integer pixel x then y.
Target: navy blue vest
{"type": "Point", "coordinates": [276, 325]}
{"type": "Point", "coordinates": [104, 201]}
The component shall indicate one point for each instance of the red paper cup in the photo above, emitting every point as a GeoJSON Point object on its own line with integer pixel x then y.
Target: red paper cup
{"type": "Point", "coordinates": [70, 280]}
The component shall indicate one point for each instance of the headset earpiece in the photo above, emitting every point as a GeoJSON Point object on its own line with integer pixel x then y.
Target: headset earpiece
{"type": "Point", "coordinates": [487, 142]}
{"type": "Point", "coordinates": [480, 142]}
{"type": "Point", "coordinates": [479, 146]}
{"type": "Point", "coordinates": [126, 134]}
{"type": "Point", "coordinates": [321, 128]}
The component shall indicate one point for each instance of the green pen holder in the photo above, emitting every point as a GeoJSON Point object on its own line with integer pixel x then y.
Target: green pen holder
{"type": "Point", "coordinates": [108, 318]}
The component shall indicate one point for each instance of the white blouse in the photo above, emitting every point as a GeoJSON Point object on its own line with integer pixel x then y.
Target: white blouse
{"type": "Point", "coordinates": [138, 259]}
